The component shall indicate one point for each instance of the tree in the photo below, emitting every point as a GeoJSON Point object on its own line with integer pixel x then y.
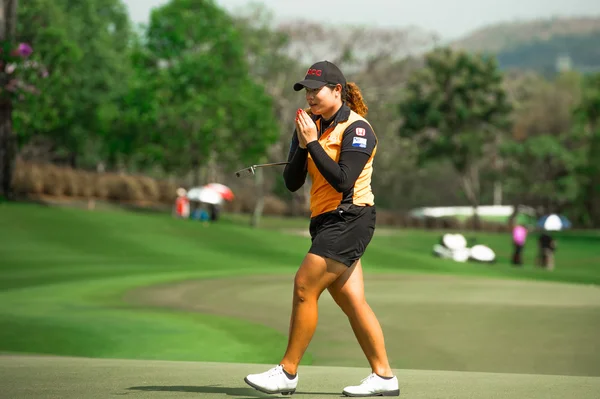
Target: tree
{"type": "Point", "coordinates": [542, 171]}
{"type": "Point", "coordinates": [212, 108]}
{"type": "Point", "coordinates": [587, 115]}
{"type": "Point", "coordinates": [102, 32]}
{"type": "Point", "coordinates": [267, 50]}
{"type": "Point", "coordinates": [41, 117]}
{"type": "Point", "coordinates": [455, 108]}
{"type": "Point", "coordinates": [82, 50]}
{"type": "Point", "coordinates": [8, 15]}
{"type": "Point", "coordinates": [198, 58]}
{"type": "Point", "coordinates": [134, 141]}
{"type": "Point", "coordinates": [545, 153]}
{"type": "Point", "coordinates": [279, 55]}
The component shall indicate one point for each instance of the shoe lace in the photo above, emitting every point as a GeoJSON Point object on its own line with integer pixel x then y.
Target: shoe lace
{"type": "Point", "coordinates": [275, 371]}
{"type": "Point", "coordinates": [368, 379]}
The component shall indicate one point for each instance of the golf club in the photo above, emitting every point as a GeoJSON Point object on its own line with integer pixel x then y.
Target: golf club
{"type": "Point", "coordinates": [250, 170]}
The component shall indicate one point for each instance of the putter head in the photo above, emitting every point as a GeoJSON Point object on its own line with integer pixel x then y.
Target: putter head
{"type": "Point", "coordinates": [249, 171]}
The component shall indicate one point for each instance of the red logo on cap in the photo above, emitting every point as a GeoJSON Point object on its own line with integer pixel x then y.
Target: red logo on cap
{"type": "Point", "coordinates": [316, 72]}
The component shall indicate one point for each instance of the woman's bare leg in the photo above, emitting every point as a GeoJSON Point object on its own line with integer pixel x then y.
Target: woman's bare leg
{"type": "Point", "coordinates": [349, 293]}
{"type": "Point", "coordinates": [314, 275]}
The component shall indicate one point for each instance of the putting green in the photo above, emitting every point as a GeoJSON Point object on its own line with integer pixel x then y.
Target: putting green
{"type": "Point", "coordinates": [23, 377]}
{"type": "Point", "coordinates": [430, 322]}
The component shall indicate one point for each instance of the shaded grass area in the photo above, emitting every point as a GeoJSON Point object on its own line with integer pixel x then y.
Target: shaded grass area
{"type": "Point", "coordinates": [63, 272]}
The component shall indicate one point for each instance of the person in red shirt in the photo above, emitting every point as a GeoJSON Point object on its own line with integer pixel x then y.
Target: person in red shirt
{"type": "Point", "coordinates": [182, 204]}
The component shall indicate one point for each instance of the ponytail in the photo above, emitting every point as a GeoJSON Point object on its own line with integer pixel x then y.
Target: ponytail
{"type": "Point", "coordinates": [354, 99]}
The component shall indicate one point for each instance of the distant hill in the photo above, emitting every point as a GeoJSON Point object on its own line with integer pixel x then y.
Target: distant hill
{"type": "Point", "coordinates": [541, 45]}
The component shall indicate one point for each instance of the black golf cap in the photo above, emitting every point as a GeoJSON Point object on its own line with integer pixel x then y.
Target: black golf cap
{"type": "Point", "coordinates": [321, 74]}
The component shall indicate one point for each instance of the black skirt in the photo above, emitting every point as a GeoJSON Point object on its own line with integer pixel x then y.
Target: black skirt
{"type": "Point", "coordinates": [344, 233]}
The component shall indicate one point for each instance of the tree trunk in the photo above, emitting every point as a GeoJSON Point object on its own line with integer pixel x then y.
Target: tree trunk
{"type": "Point", "coordinates": [260, 198]}
{"type": "Point", "coordinates": [8, 149]}
{"type": "Point", "coordinates": [8, 19]}
{"type": "Point", "coordinates": [195, 164]}
{"type": "Point", "coordinates": [513, 216]}
{"type": "Point", "coordinates": [73, 159]}
{"type": "Point", "coordinates": [212, 173]}
{"type": "Point", "coordinates": [497, 192]}
{"type": "Point", "coordinates": [8, 140]}
{"type": "Point", "coordinates": [470, 183]}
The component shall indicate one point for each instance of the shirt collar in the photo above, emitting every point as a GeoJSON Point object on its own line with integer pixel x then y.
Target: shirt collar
{"type": "Point", "coordinates": [342, 115]}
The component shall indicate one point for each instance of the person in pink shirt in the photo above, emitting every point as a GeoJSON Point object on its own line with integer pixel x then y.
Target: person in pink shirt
{"type": "Point", "coordinates": [519, 235]}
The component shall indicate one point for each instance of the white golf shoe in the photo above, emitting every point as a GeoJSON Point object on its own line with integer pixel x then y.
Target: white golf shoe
{"type": "Point", "coordinates": [273, 381]}
{"type": "Point", "coordinates": [374, 385]}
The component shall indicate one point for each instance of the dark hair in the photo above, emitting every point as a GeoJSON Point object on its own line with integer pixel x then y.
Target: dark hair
{"type": "Point", "coordinates": [352, 96]}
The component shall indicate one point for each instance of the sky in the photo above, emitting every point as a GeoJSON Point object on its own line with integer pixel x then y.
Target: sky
{"type": "Point", "coordinates": [450, 19]}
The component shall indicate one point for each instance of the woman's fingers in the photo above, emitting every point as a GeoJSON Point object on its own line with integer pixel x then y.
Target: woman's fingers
{"type": "Point", "coordinates": [305, 120]}
{"type": "Point", "coordinates": [304, 116]}
{"type": "Point", "coordinates": [300, 118]}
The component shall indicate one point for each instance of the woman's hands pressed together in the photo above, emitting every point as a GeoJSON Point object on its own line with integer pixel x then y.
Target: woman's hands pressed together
{"type": "Point", "coordinates": [305, 128]}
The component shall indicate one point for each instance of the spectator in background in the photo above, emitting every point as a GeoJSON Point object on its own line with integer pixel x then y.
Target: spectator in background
{"type": "Point", "coordinates": [214, 211]}
{"type": "Point", "coordinates": [546, 246]}
{"type": "Point", "coordinates": [182, 204]}
{"type": "Point", "coordinates": [519, 234]}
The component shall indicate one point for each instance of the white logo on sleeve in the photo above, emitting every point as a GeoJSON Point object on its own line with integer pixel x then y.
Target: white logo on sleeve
{"type": "Point", "coordinates": [360, 131]}
{"type": "Point", "coordinates": [359, 142]}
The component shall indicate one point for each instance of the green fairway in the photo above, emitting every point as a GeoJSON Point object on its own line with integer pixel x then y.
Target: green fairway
{"type": "Point", "coordinates": [71, 283]}
{"type": "Point", "coordinates": [431, 322]}
{"type": "Point", "coordinates": [69, 378]}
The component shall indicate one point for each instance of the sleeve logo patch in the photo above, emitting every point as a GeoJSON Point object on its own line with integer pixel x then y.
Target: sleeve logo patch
{"type": "Point", "coordinates": [359, 142]}
{"type": "Point", "coordinates": [360, 131]}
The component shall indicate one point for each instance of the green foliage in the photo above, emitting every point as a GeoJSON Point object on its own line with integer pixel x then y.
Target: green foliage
{"type": "Point", "coordinates": [454, 106]}
{"type": "Point", "coordinates": [588, 127]}
{"type": "Point", "coordinates": [547, 166]}
{"type": "Point", "coordinates": [42, 23]}
{"type": "Point", "coordinates": [171, 98]}
{"type": "Point", "coordinates": [588, 111]}
{"type": "Point", "coordinates": [198, 89]}
{"type": "Point", "coordinates": [83, 47]}
{"type": "Point", "coordinates": [133, 137]}
{"type": "Point", "coordinates": [203, 101]}
{"type": "Point", "coordinates": [552, 161]}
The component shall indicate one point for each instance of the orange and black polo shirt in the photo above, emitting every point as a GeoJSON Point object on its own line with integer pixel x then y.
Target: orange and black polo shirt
{"type": "Point", "coordinates": [340, 162]}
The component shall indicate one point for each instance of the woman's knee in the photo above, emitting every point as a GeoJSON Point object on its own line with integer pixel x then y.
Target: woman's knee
{"type": "Point", "coordinates": [303, 289]}
{"type": "Point", "coordinates": [350, 304]}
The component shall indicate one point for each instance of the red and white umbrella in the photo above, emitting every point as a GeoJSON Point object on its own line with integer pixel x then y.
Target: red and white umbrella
{"type": "Point", "coordinates": [222, 189]}
{"type": "Point", "coordinates": [206, 195]}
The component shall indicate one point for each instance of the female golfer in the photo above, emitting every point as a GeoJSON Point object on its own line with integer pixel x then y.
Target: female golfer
{"type": "Point", "coordinates": [335, 144]}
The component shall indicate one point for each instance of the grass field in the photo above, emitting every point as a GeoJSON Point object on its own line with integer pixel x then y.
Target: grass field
{"type": "Point", "coordinates": [76, 378]}
{"type": "Point", "coordinates": [115, 284]}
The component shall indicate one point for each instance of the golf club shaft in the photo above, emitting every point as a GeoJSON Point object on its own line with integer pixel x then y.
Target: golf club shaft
{"type": "Point", "coordinates": [269, 164]}
{"type": "Point", "coordinates": [252, 168]}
